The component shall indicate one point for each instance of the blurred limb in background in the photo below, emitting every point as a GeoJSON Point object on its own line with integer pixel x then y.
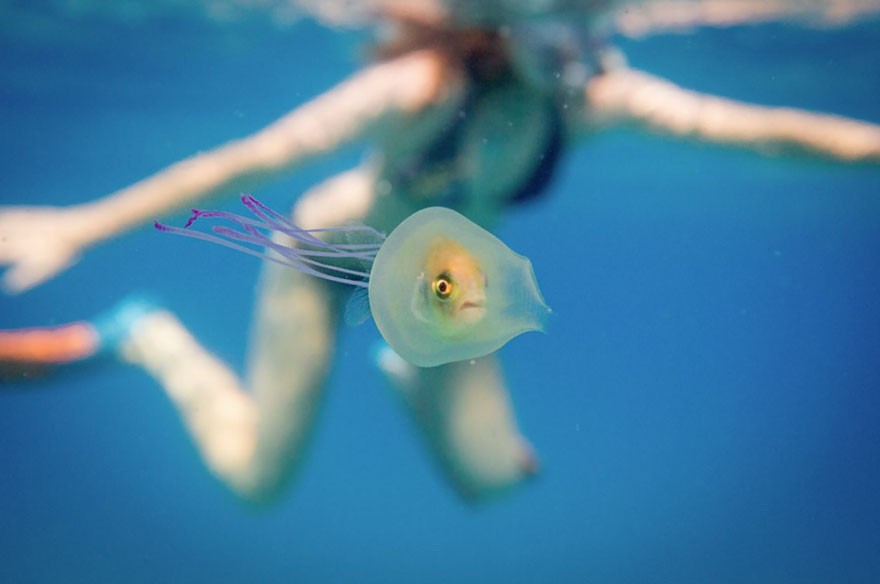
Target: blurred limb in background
{"type": "Point", "coordinates": [641, 18]}
{"type": "Point", "coordinates": [469, 105]}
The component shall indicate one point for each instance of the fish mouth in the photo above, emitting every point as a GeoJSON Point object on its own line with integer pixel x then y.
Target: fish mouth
{"type": "Point", "coordinates": [471, 311]}
{"type": "Point", "coordinates": [470, 305]}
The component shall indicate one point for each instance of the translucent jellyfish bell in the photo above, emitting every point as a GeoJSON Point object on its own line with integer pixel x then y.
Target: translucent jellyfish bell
{"type": "Point", "coordinates": [440, 288]}
{"type": "Point", "coordinates": [443, 289]}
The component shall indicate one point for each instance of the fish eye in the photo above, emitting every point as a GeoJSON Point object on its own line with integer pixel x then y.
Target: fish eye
{"type": "Point", "coordinates": [442, 286]}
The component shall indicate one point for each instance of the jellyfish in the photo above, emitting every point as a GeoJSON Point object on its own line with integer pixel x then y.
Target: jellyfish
{"type": "Point", "coordinates": [439, 287]}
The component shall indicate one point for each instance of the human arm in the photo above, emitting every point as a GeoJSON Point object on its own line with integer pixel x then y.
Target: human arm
{"type": "Point", "coordinates": [626, 96]}
{"type": "Point", "coordinates": [38, 242]}
{"type": "Point", "coordinates": [638, 18]}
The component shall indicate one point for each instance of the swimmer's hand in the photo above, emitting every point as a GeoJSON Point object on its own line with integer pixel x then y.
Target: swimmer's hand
{"type": "Point", "coordinates": [35, 244]}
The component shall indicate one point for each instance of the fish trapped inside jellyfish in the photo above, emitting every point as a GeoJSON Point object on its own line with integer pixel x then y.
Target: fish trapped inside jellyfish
{"type": "Point", "coordinates": [440, 288]}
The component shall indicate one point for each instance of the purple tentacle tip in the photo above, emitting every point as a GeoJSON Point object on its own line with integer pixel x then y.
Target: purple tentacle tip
{"type": "Point", "coordinates": [192, 218]}
{"type": "Point", "coordinates": [159, 226]}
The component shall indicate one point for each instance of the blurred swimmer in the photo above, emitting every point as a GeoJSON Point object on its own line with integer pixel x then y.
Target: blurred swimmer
{"type": "Point", "coordinates": [471, 105]}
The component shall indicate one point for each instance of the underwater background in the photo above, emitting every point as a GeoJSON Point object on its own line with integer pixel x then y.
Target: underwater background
{"type": "Point", "coordinates": [706, 403]}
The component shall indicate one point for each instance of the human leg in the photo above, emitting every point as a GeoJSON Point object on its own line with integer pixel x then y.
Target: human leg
{"type": "Point", "coordinates": [463, 411]}
{"type": "Point", "coordinates": [254, 440]}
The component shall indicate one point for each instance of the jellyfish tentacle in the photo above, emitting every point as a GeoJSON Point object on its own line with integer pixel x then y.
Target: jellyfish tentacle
{"type": "Point", "coordinates": [296, 255]}
{"type": "Point", "coordinates": [282, 259]}
{"type": "Point", "coordinates": [252, 226]}
{"type": "Point", "coordinates": [260, 239]}
{"type": "Point", "coordinates": [308, 254]}
{"type": "Point", "coordinates": [276, 221]}
{"type": "Point", "coordinates": [220, 241]}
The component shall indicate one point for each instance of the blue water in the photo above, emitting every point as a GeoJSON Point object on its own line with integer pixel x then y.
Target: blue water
{"type": "Point", "coordinates": [705, 405]}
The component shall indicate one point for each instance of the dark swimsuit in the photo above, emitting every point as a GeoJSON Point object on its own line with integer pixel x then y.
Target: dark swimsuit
{"type": "Point", "coordinates": [442, 154]}
{"type": "Point", "coordinates": [548, 161]}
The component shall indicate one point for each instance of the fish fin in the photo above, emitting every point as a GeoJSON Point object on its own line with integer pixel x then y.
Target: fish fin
{"type": "Point", "coordinates": [365, 238]}
{"type": "Point", "coordinates": [357, 309]}
{"type": "Point", "coordinates": [361, 234]}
